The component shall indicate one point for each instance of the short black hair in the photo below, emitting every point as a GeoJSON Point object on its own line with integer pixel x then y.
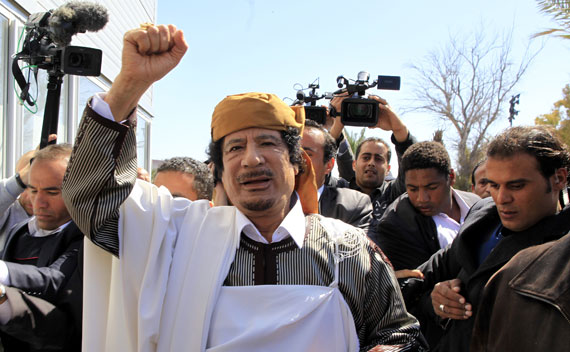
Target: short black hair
{"type": "Point", "coordinates": [541, 142]}
{"type": "Point", "coordinates": [329, 147]}
{"type": "Point", "coordinates": [291, 136]}
{"type": "Point", "coordinates": [426, 155]}
{"type": "Point", "coordinates": [475, 170]}
{"type": "Point", "coordinates": [203, 179]}
{"type": "Point", "coordinates": [375, 140]}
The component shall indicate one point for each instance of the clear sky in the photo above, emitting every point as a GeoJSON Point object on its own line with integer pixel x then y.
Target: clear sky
{"type": "Point", "coordinates": [238, 46]}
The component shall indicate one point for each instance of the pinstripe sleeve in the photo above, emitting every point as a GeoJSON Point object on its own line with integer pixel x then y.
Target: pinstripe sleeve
{"type": "Point", "coordinates": [100, 175]}
{"type": "Point", "coordinates": [392, 328]}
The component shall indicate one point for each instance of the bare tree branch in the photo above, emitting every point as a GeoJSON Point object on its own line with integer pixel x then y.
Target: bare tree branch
{"type": "Point", "coordinates": [465, 84]}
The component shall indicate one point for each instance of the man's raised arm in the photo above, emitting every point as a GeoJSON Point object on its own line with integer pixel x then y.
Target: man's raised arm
{"type": "Point", "coordinates": [102, 169]}
{"type": "Point", "coordinates": [148, 55]}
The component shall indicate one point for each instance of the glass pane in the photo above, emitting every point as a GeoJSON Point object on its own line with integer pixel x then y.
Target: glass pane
{"type": "Point", "coordinates": [86, 90]}
{"type": "Point", "coordinates": [33, 118]}
{"type": "Point", "coordinates": [142, 128]}
{"type": "Point", "coordinates": [4, 58]}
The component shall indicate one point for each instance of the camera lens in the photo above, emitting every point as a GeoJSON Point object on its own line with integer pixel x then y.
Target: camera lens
{"type": "Point", "coordinates": [360, 111]}
{"type": "Point", "coordinates": [75, 60]}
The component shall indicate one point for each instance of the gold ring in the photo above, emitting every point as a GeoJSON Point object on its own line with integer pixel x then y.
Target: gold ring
{"type": "Point", "coordinates": [146, 25]}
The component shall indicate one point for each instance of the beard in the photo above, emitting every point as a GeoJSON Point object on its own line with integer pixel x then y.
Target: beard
{"type": "Point", "coordinates": [258, 205]}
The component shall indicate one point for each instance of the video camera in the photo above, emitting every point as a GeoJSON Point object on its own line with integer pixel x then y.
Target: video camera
{"type": "Point", "coordinates": [46, 46]}
{"type": "Point", "coordinates": [41, 49]}
{"type": "Point", "coordinates": [48, 35]}
{"type": "Point", "coordinates": [313, 112]}
{"type": "Point", "coordinates": [357, 110]}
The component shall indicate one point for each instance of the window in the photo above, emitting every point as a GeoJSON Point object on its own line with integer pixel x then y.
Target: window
{"type": "Point", "coordinates": [34, 116]}
{"type": "Point", "coordinates": [3, 93]}
{"type": "Point", "coordinates": [87, 89]}
{"type": "Point", "coordinates": [143, 146]}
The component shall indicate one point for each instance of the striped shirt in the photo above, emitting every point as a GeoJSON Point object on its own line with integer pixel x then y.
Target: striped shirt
{"type": "Point", "coordinates": [102, 173]}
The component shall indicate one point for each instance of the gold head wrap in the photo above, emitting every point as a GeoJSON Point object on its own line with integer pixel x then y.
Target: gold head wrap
{"type": "Point", "coordinates": [262, 110]}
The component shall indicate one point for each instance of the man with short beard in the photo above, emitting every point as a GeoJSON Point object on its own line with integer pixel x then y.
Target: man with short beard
{"type": "Point", "coordinates": [343, 204]}
{"type": "Point", "coordinates": [371, 165]}
{"type": "Point", "coordinates": [264, 274]}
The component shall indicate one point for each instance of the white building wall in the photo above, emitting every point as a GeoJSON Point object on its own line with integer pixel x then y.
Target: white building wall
{"type": "Point", "coordinates": [123, 15]}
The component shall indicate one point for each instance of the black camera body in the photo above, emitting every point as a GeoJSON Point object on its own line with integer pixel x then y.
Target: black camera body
{"type": "Point", "coordinates": [71, 60]}
{"type": "Point", "coordinates": [46, 46]}
{"type": "Point", "coordinates": [40, 50]}
{"type": "Point", "coordinates": [316, 113]}
{"type": "Point", "coordinates": [360, 111]}
{"type": "Point", "coordinates": [312, 112]}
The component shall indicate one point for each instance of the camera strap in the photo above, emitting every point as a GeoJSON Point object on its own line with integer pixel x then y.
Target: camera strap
{"type": "Point", "coordinates": [21, 80]}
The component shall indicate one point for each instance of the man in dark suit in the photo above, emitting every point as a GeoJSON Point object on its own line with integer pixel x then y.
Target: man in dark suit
{"type": "Point", "coordinates": [345, 204]}
{"type": "Point", "coordinates": [426, 218]}
{"type": "Point", "coordinates": [38, 270]}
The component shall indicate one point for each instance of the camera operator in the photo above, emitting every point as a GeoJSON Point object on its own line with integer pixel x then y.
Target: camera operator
{"type": "Point", "coordinates": [372, 162]}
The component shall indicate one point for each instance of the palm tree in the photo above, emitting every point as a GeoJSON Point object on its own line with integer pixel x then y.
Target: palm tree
{"type": "Point", "coordinates": [354, 139]}
{"type": "Point", "coordinates": [560, 12]}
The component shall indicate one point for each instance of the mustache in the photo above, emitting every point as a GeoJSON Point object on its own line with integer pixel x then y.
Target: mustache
{"type": "Point", "coordinates": [253, 174]}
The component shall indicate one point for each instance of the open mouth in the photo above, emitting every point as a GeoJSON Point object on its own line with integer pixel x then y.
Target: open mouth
{"type": "Point", "coordinates": [255, 180]}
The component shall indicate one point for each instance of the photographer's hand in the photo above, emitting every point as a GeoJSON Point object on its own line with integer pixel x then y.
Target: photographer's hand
{"type": "Point", "coordinates": [148, 55]}
{"type": "Point", "coordinates": [337, 125]}
{"type": "Point", "coordinates": [388, 120]}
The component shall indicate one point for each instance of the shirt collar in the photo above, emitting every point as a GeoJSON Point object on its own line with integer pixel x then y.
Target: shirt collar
{"type": "Point", "coordinates": [35, 230]}
{"type": "Point", "coordinates": [293, 225]}
{"type": "Point", "coordinates": [320, 191]}
{"type": "Point", "coordinates": [463, 207]}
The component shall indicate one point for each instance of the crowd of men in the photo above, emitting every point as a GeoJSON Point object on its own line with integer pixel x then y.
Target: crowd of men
{"type": "Point", "coordinates": [262, 248]}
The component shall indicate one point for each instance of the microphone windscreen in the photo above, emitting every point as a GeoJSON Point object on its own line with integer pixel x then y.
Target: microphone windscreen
{"type": "Point", "coordinates": [76, 17]}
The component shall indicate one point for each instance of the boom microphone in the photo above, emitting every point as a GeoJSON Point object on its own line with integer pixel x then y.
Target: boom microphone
{"type": "Point", "coordinates": [76, 17]}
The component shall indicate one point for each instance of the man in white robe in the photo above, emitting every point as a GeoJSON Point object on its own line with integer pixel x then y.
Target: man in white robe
{"type": "Point", "coordinates": [169, 274]}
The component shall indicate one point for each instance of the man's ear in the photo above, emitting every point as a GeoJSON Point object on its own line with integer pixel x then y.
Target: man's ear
{"type": "Point", "coordinates": [560, 178]}
{"type": "Point", "coordinates": [329, 166]}
{"type": "Point", "coordinates": [451, 177]}
{"type": "Point", "coordinates": [354, 165]}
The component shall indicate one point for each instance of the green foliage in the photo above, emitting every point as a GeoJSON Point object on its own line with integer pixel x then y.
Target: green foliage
{"type": "Point", "coordinates": [355, 138]}
{"type": "Point", "coordinates": [559, 117]}
{"type": "Point", "coordinates": [560, 12]}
